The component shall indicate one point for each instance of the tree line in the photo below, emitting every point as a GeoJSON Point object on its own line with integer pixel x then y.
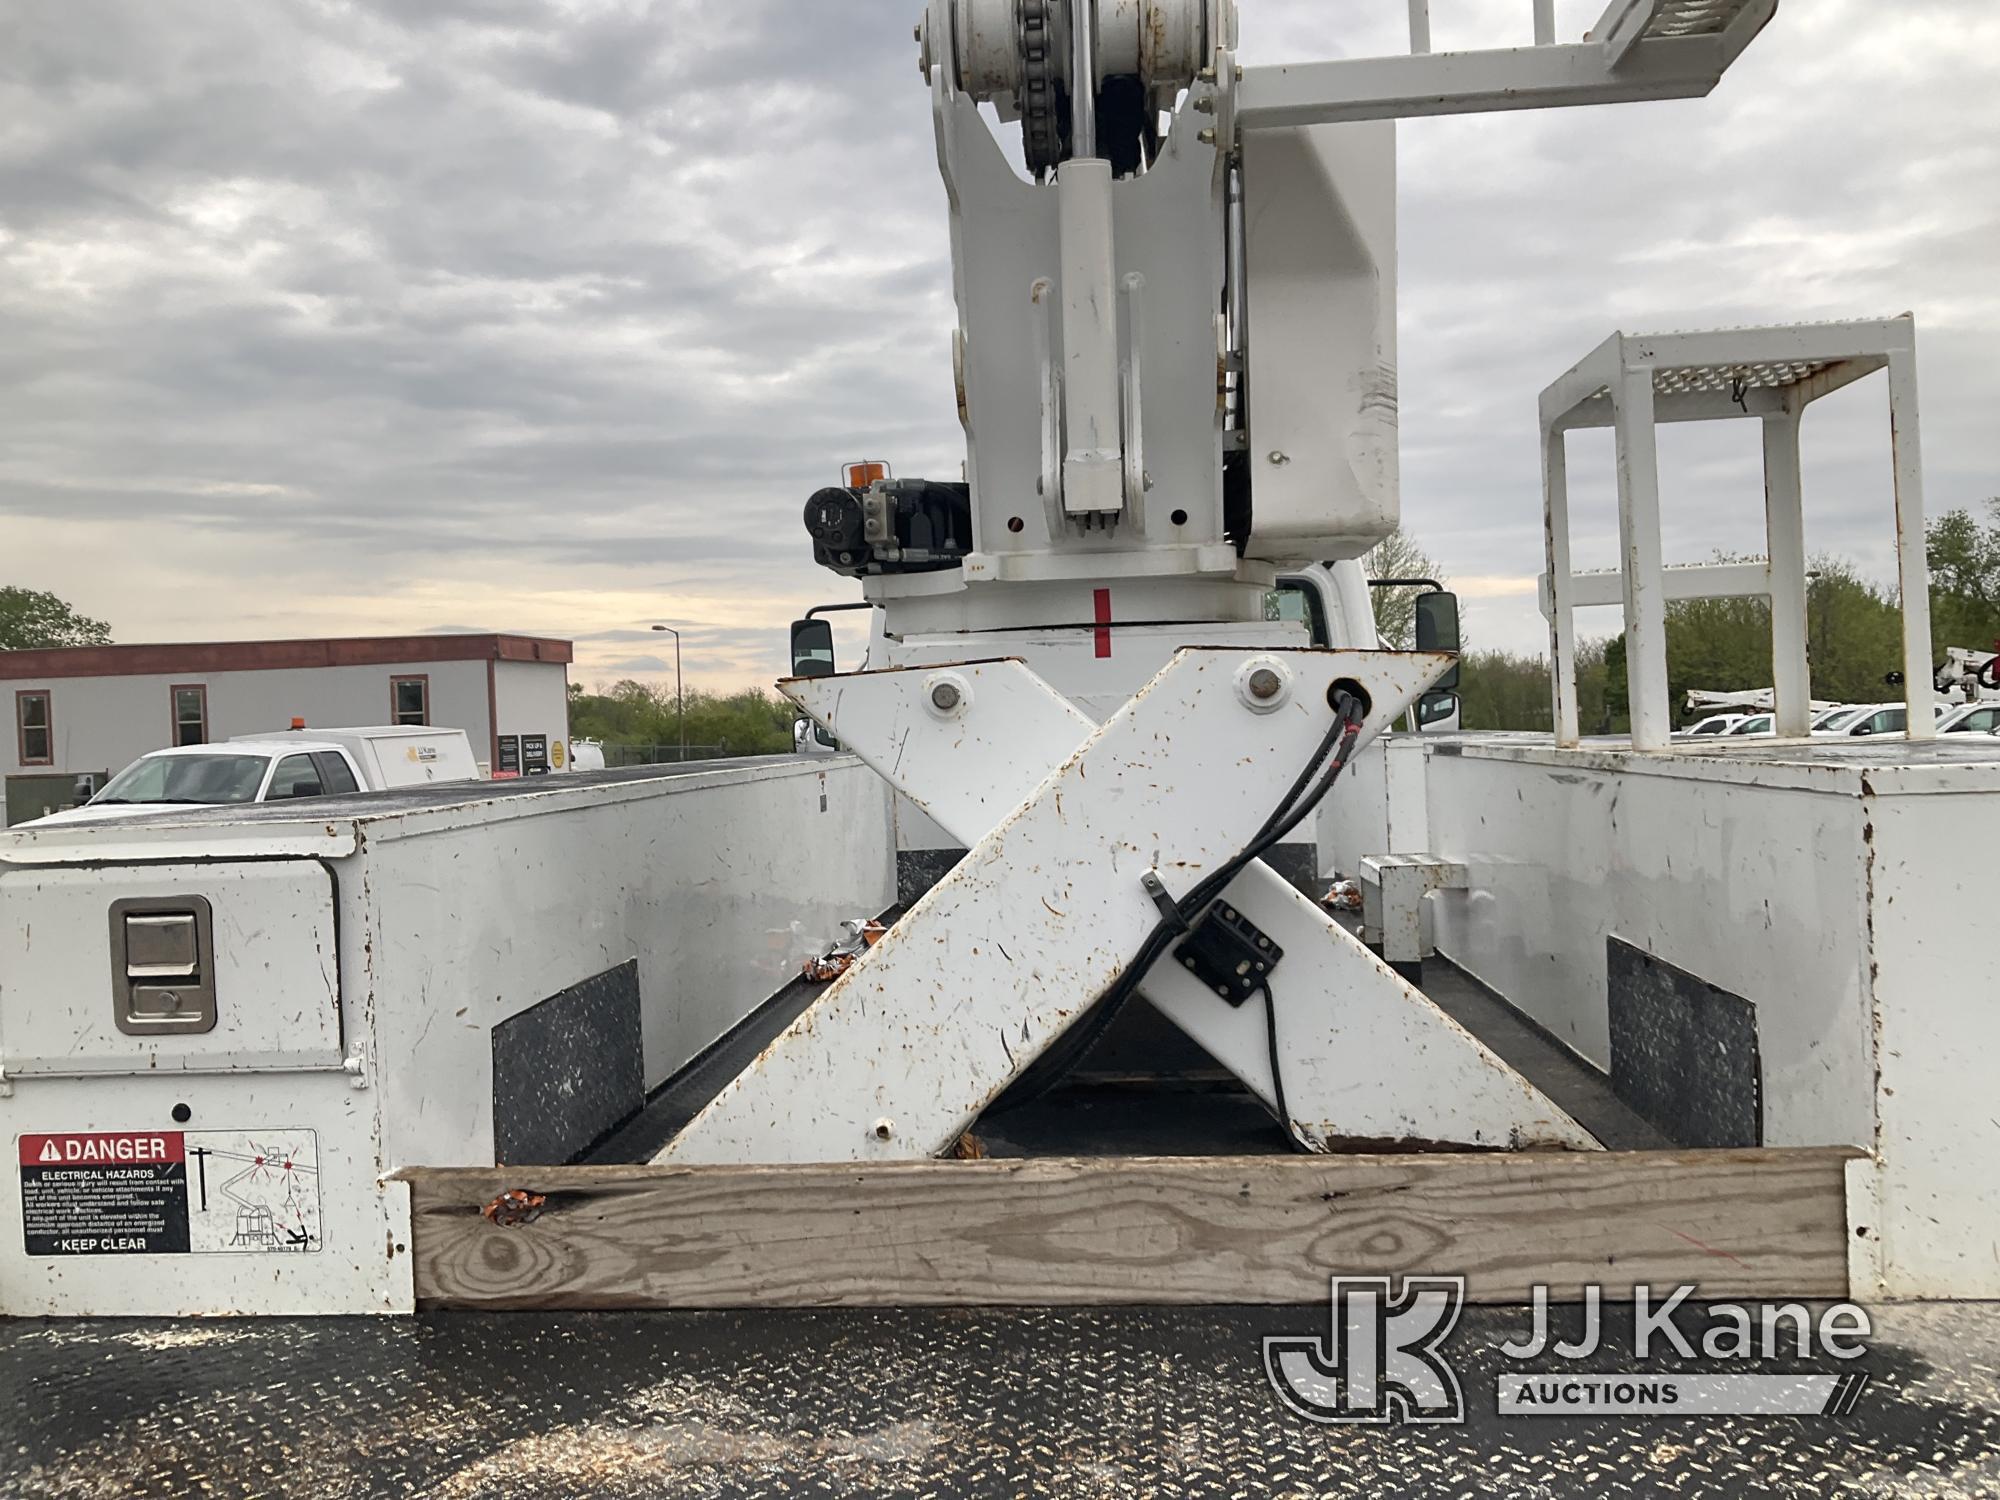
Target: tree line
{"type": "Point", "coordinates": [749, 722]}
{"type": "Point", "coordinates": [1854, 637]}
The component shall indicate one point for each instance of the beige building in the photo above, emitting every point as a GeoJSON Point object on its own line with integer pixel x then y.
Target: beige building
{"type": "Point", "coordinates": [91, 710]}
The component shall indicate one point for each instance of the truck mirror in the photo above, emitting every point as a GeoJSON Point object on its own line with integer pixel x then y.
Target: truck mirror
{"type": "Point", "coordinates": [1437, 712]}
{"type": "Point", "coordinates": [812, 648]}
{"type": "Point", "coordinates": [1437, 630]}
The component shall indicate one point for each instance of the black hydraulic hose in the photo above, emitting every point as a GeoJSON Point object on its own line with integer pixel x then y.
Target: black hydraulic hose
{"type": "Point", "coordinates": [1278, 1070]}
{"type": "Point", "coordinates": [1052, 1068]}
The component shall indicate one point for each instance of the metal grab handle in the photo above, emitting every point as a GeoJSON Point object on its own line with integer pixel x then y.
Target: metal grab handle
{"type": "Point", "coordinates": [163, 965]}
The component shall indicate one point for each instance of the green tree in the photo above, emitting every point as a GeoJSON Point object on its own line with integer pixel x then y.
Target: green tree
{"type": "Point", "coordinates": [1964, 558]}
{"type": "Point", "coordinates": [1593, 691]}
{"type": "Point", "coordinates": [1499, 690]}
{"type": "Point", "coordinates": [31, 620]}
{"type": "Point", "coordinates": [1398, 556]}
{"type": "Point", "coordinates": [1854, 635]}
{"type": "Point", "coordinates": [632, 713]}
{"type": "Point", "coordinates": [1504, 691]}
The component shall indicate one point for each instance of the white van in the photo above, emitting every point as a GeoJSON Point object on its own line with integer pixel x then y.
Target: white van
{"type": "Point", "coordinates": [275, 767]}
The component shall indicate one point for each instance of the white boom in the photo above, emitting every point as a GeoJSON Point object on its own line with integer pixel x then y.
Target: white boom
{"type": "Point", "coordinates": [1176, 367]}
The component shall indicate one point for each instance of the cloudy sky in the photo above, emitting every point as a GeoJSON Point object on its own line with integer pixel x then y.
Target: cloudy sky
{"type": "Point", "coordinates": [365, 316]}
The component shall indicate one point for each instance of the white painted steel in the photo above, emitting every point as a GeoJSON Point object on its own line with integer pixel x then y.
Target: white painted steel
{"type": "Point", "coordinates": [1633, 382]}
{"type": "Point", "coordinates": [1625, 24]}
{"type": "Point", "coordinates": [1040, 329]}
{"type": "Point", "coordinates": [1639, 550]}
{"type": "Point", "coordinates": [1457, 83]}
{"type": "Point", "coordinates": [1785, 537]}
{"type": "Point", "coordinates": [1937, 1033]}
{"type": "Point", "coordinates": [1320, 210]}
{"type": "Point", "coordinates": [362, 1266]}
{"type": "Point", "coordinates": [279, 1006]}
{"type": "Point", "coordinates": [1099, 686]}
{"type": "Point", "coordinates": [1829, 883]}
{"type": "Point", "coordinates": [1912, 566]}
{"type": "Point", "coordinates": [1682, 581]}
{"type": "Point", "coordinates": [451, 918]}
{"type": "Point", "coordinates": [1558, 602]}
{"type": "Point", "coordinates": [1043, 323]}
{"type": "Point", "coordinates": [1393, 912]}
{"type": "Point", "coordinates": [1010, 948]}
{"type": "Point", "coordinates": [1382, 1062]}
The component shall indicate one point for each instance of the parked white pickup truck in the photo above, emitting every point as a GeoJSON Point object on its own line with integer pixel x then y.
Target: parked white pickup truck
{"type": "Point", "coordinates": [275, 767]}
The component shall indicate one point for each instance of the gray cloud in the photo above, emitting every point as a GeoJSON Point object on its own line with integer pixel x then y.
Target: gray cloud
{"type": "Point", "coordinates": [370, 316]}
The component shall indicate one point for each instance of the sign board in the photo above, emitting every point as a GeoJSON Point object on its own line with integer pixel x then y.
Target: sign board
{"type": "Point", "coordinates": [534, 755]}
{"type": "Point", "coordinates": [509, 763]}
{"type": "Point", "coordinates": [170, 1192]}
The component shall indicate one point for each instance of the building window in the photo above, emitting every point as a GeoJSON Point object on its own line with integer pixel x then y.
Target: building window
{"type": "Point", "coordinates": [191, 715]}
{"type": "Point", "coordinates": [36, 728]}
{"type": "Point", "coordinates": [410, 700]}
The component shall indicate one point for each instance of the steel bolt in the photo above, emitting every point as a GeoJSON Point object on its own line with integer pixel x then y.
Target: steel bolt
{"type": "Point", "coordinates": [945, 697]}
{"type": "Point", "coordinates": [1265, 684]}
{"type": "Point", "coordinates": [1208, 137]}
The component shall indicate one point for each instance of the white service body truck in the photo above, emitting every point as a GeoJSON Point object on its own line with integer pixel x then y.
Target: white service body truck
{"type": "Point", "coordinates": [254, 768]}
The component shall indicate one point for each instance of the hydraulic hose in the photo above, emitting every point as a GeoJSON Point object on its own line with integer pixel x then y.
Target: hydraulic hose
{"type": "Point", "coordinates": [1299, 801]}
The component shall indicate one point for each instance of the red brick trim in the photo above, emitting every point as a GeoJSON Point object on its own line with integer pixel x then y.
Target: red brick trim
{"type": "Point", "coordinates": [266, 656]}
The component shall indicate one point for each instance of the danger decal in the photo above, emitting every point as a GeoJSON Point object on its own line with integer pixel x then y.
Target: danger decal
{"type": "Point", "coordinates": [170, 1192]}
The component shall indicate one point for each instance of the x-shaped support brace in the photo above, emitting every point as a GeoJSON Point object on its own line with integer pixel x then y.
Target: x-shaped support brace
{"type": "Point", "coordinates": [1066, 820]}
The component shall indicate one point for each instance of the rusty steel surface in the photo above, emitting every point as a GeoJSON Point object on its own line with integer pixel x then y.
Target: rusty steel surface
{"type": "Point", "coordinates": [949, 1404]}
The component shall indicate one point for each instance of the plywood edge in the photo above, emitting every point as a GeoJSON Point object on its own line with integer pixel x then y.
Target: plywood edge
{"type": "Point", "coordinates": [1133, 1230]}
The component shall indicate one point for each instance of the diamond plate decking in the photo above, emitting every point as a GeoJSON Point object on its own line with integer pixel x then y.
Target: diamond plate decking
{"type": "Point", "coordinates": [952, 1405]}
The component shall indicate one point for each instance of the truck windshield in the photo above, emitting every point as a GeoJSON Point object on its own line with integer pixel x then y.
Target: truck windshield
{"type": "Point", "coordinates": [186, 778]}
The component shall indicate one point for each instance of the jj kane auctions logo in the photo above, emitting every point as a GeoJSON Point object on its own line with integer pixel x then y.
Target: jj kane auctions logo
{"type": "Point", "coordinates": [1383, 1359]}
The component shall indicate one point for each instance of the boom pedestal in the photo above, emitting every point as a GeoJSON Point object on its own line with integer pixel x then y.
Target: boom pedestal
{"type": "Point", "coordinates": [1082, 831]}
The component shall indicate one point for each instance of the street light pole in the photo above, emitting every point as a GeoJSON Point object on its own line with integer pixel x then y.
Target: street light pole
{"type": "Point", "coordinates": [680, 700]}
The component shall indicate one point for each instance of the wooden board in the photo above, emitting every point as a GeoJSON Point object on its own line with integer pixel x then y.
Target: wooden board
{"type": "Point", "coordinates": [1133, 1230]}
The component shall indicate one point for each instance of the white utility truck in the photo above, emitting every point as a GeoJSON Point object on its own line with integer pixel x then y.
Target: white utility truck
{"type": "Point", "coordinates": [278, 767]}
{"type": "Point", "coordinates": [1175, 358]}
{"type": "Point", "coordinates": [1973, 676]}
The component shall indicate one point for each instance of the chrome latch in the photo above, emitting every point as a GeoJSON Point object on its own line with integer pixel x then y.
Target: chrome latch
{"type": "Point", "coordinates": [163, 965]}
